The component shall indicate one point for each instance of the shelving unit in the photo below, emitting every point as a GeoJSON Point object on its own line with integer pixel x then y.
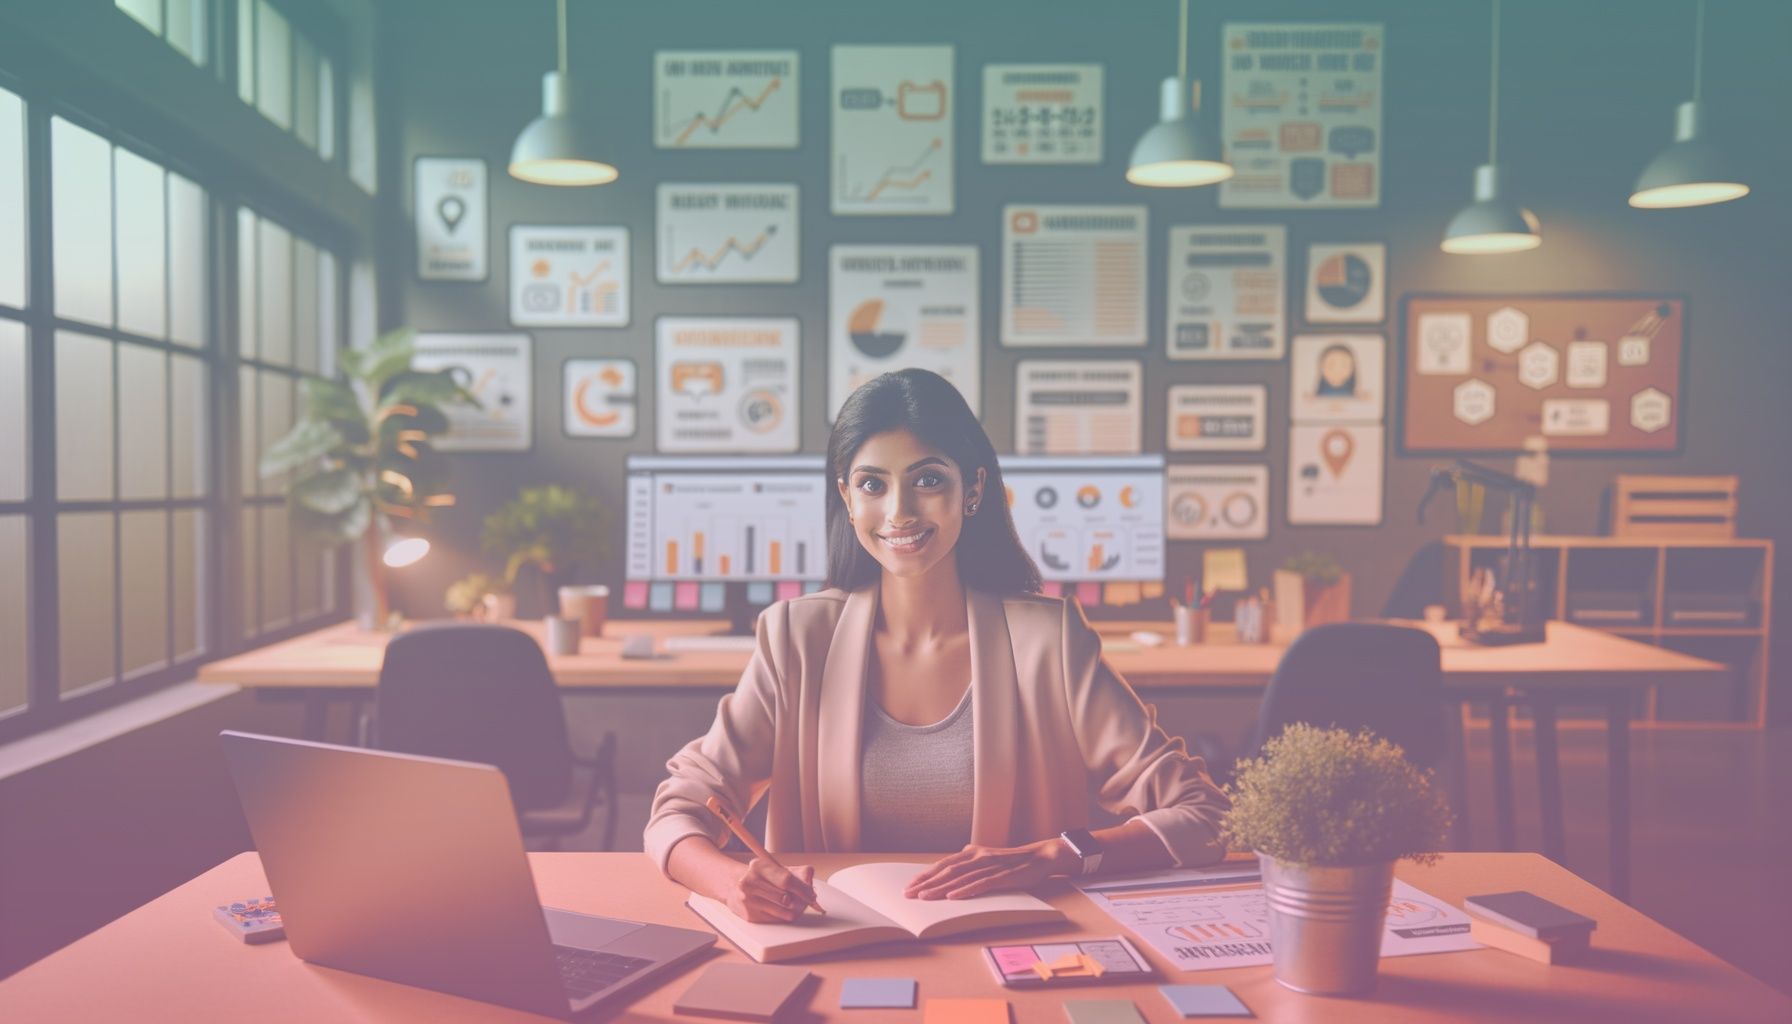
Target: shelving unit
{"type": "Point", "coordinates": [1733, 575]}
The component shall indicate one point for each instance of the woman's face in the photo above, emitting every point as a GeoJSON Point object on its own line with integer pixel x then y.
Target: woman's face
{"type": "Point", "coordinates": [1336, 367]}
{"type": "Point", "coordinates": [907, 501]}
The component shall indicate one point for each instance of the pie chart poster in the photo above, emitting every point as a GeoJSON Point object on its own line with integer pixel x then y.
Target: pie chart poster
{"type": "Point", "coordinates": [896, 306]}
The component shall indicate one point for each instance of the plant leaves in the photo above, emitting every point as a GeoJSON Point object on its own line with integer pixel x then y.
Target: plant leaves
{"type": "Point", "coordinates": [335, 403]}
{"type": "Point", "coordinates": [338, 528]}
{"type": "Point", "coordinates": [389, 355]}
{"type": "Point", "coordinates": [425, 388]}
{"type": "Point", "coordinates": [308, 441]}
{"type": "Point", "coordinates": [330, 492]}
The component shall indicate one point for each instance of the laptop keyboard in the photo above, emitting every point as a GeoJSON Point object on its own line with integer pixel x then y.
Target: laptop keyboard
{"type": "Point", "coordinates": [586, 972]}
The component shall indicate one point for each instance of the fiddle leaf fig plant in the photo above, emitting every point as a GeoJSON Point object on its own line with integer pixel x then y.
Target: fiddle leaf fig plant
{"type": "Point", "coordinates": [553, 528]}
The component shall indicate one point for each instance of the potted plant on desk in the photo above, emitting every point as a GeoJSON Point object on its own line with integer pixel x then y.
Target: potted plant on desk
{"type": "Point", "coordinates": [1329, 812]}
{"type": "Point", "coordinates": [1311, 589]}
{"type": "Point", "coordinates": [554, 529]}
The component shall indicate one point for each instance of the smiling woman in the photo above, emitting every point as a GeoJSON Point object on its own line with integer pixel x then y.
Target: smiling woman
{"type": "Point", "coordinates": [930, 699]}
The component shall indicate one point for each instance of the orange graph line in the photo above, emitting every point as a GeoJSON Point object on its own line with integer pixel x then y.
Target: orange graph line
{"type": "Point", "coordinates": [710, 262]}
{"type": "Point", "coordinates": [727, 112]}
{"type": "Point", "coordinates": [889, 182]}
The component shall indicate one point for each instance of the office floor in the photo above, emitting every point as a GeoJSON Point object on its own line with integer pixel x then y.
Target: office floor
{"type": "Point", "coordinates": [1712, 839]}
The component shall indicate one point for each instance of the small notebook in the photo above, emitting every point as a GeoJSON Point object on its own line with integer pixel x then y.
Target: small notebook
{"type": "Point", "coordinates": [254, 921]}
{"type": "Point", "coordinates": [741, 991]}
{"type": "Point", "coordinates": [864, 905]}
{"type": "Point", "coordinates": [1560, 951]}
{"type": "Point", "coordinates": [1529, 914]}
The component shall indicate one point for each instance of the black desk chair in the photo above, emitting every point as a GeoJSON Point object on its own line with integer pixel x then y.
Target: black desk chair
{"type": "Point", "coordinates": [484, 693]}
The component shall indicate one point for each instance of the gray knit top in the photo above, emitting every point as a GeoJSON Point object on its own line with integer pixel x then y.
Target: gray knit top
{"type": "Point", "coordinates": [916, 782]}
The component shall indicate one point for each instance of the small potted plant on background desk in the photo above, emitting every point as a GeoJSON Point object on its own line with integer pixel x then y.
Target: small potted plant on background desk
{"type": "Point", "coordinates": [1311, 590]}
{"type": "Point", "coordinates": [556, 530]}
{"type": "Point", "coordinates": [1328, 812]}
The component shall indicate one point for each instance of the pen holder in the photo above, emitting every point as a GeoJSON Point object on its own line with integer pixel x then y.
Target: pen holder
{"type": "Point", "coordinates": [563, 635]}
{"type": "Point", "coordinates": [1191, 625]}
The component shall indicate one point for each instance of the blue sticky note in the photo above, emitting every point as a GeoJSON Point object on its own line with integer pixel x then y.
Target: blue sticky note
{"type": "Point", "coordinates": [659, 597]}
{"type": "Point", "coordinates": [877, 994]}
{"type": "Point", "coordinates": [759, 592]}
{"type": "Point", "coordinates": [1204, 1001]}
{"type": "Point", "coordinates": [713, 597]}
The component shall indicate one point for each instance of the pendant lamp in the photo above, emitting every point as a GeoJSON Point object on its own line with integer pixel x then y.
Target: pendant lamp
{"type": "Point", "coordinates": [1491, 224]}
{"type": "Point", "coordinates": [1179, 151]}
{"type": "Point", "coordinates": [1691, 171]}
{"type": "Point", "coordinates": [559, 148]}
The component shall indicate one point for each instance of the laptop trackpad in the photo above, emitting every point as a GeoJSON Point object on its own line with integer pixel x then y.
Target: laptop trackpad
{"type": "Point", "coordinates": [568, 928]}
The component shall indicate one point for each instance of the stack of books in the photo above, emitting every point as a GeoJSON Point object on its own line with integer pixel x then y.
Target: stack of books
{"type": "Point", "coordinates": [1529, 925]}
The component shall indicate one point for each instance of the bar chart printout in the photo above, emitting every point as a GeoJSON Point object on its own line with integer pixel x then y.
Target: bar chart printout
{"type": "Point", "coordinates": [727, 519]}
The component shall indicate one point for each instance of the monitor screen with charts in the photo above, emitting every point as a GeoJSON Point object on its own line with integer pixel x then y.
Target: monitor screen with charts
{"type": "Point", "coordinates": [1089, 518]}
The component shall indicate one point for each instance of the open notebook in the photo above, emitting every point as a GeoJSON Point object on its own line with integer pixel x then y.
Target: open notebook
{"type": "Point", "coordinates": [865, 905]}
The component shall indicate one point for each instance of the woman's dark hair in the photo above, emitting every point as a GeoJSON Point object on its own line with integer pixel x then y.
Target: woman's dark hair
{"type": "Point", "coordinates": [990, 555]}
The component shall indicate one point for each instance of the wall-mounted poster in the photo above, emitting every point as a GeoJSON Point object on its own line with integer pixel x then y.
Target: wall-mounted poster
{"type": "Point", "coordinates": [1089, 519]}
{"type": "Point", "coordinates": [1301, 120]}
{"type": "Point", "coordinates": [497, 369]}
{"type": "Point", "coordinates": [892, 130]}
{"type": "Point", "coordinates": [1226, 292]}
{"type": "Point", "coordinates": [600, 397]}
{"type": "Point", "coordinates": [1217, 502]}
{"type": "Point", "coordinates": [1337, 378]}
{"type": "Point", "coordinates": [725, 99]}
{"type": "Point", "coordinates": [1042, 113]}
{"type": "Point", "coordinates": [568, 276]}
{"type": "Point", "coordinates": [1593, 372]}
{"type": "Point", "coordinates": [727, 234]}
{"type": "Point", "coordinates": [1073, 275]}
{"type": "Point", "coordinates": [896, 306]}
{"type": "Point", "coordinates": [726, 384]}
{"type": "Point", "coordinates": [450, 218]}
{"type": "Point", "coordinates": [1078, 407]}
{"type": "Point", "coordinates": [1216, 417]}
{"type": "Point", "coordinates": [1347, 283]}
{"type": "Point", "coordinates": [1334, 474]}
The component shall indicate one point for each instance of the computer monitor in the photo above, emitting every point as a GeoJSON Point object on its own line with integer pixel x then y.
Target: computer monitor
{"type": "Point", "coordinates": [1089, 518]}
{"type": "Point", "coordinates": [729, 535]}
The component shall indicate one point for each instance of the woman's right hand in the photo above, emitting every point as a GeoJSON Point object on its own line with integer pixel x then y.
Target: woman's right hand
{"type": "Point", "coordinates": [764, 892]}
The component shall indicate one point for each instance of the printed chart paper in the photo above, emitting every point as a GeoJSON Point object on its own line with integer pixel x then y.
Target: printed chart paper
{"type": "Point", "coordinates": [727, 385]}
{"type": "Point", "coordinates": [1089, 518]}
{"type": "Point", "coordinates": [1078, 407]}
{"type": "Point", "coordinates": [496, 368]}
{"type": "Point", "coordinates": [1338, 378]}
{"type": "Point", "coordinates": [1217, 502]}
{"type": "Point", "coordinates": [727, 234]}
{"type": "Point", "coordinates": [600, 397]}
{"type": "Point", "coordinates": [569, 277]}
{"type": "Point", "coordinates": [450, 218]}
{"type": "Point", "coordinates": [722, 519]}
{"type": "Point", "coordinates": [1209, 919]}
{"type": "Point", "coordinates": [1301, 121]}
{"type": "Point", "coordinates": [1216, 417]}
{"type": "Point", "coordinates": [1073, 275]}
{"type": "Point", "coordinates": [1225, 292]}
{"type": "Point", "coordinates": [897, 306]}
{"type": "Point", "coordinates": [725, 99]}
{"type": "Point", "coordinates": [1042, 113]}
{"type": "Point", "coordinates": [1347, 283]}
{"type": "Point", "coordinates": [1334, 474]}
{"type": "Point", "coordinates": [892, 130]}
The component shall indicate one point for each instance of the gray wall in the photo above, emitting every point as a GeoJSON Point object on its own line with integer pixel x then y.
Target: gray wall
{"type": "Point", "coordinates": [1590, 89]}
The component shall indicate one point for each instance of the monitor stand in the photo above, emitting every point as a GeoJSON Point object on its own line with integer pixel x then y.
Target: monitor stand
{"type": "Point", "coordinates": [743, 617]}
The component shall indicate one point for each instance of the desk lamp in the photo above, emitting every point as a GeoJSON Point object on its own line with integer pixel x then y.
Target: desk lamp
{"type": "Point", "coordinates": [1513, 616]}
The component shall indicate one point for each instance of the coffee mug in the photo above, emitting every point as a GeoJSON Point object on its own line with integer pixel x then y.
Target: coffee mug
{"type": "Point", "coordinates": [563, 635]}
{"type": "Point", "coordinates": [588, 604]}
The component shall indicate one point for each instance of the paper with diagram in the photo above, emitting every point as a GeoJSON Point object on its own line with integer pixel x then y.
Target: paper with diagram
{"type": "Point", "coordinates": [726, 384]}
{"type": "Point", "coordinates": [1078, 407]}
{"type": "Point", "coordinates": [497, 370]}
{"type": "Point", "coordinates": [1226, 292]}
{"type": "Point", "coordinates": [726, 234]}
{"type": "Point", "coordinates": [1089, 519]}
{"type": "Point", "coordinates": [1334, 474]}
{"type": "Point", "coordinates": [1042, 113]}
{"type": "Point", "coordinates": [568, 276]}
{"type": "Point", "coordinates": [892, 130]}
{"type": "Point", "coordinates": [1073, 275]}
{"type": "Point", "coordinates": [897, 306]}
{"type": "Point", "coordinates": [449, 194]}
{"type": "Point", "coordinates": [725, 99]}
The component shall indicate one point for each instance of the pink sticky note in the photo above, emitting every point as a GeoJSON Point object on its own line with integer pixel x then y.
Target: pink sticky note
{"type": "Point", "coordinates": [634, 594]}
{"type": "Point", "coordinates": [1014, 961]}
{"type": "Point", "coordinates": [788, 589]}
{"type": "Point", "coordinates": [1088, 594]}
{"type": "Point", "coordinates": [1052, 588]}
{"type": "Point", "coordinates": [684, 596]}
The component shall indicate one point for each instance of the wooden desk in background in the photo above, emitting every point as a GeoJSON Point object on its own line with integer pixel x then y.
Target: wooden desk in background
{"type": "Point", "coordinates": [1575, 665]}
{"type": "Point", "coordinates": [170, 961]}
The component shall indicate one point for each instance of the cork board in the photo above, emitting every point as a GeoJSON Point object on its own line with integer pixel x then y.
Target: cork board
{"type": "Point", "coordinates": [1598, 372]}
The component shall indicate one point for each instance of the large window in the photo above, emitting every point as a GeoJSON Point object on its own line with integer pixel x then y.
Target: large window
{"type": "Point", "coordinates": [282, 72]}
{"type": "Point", "coordinates": [183, 23]}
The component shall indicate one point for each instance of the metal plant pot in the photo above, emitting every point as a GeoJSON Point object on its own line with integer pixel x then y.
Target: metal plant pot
{"type": "Point", "coordinates": [1325, 923]}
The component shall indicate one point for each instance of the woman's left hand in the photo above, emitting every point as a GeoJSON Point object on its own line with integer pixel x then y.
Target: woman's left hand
{"type": "Point", "coordinates": [976, 870]}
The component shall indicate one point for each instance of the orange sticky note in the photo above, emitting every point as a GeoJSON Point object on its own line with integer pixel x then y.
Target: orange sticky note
{"type": "Point", "coordinates": [1121, 594]}
{"type": "Point", "coordinates": [1153, 590]}
{"type": "Point", "coordinates": [966, 1011]}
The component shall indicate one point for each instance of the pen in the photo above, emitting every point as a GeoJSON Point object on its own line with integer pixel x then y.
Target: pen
{"type": "Point", "coordinates": [753, 844]}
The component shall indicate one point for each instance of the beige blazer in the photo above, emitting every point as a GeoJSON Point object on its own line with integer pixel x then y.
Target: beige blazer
{"type": "Point", "coordinates": [1055, 731]}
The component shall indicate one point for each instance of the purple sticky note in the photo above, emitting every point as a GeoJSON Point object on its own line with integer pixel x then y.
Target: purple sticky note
{"type": "Point", "coordinates": [877, 993]}
{"type": "Point", "coordinates": [684, 596]}
{"type": "Point", "coordinates": [634, 594]}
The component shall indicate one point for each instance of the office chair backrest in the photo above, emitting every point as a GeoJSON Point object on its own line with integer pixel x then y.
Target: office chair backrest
{"type": "Point", "coordinates": [477, 693]}
{"type": "Point", "coordinates": [1361, 675]}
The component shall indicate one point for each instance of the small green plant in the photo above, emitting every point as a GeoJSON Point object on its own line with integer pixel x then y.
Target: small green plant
{"type": "Point", "coordinates": [1319, 569]}
{"type": "Point", "coordinates": [1333, 797]}
{"type": "Point", "coordinates": [465, 595]}
{"type": "Point", "coordinates": [554, 528]}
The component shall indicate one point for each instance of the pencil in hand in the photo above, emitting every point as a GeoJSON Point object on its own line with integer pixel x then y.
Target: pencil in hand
{"type": "Point", "coordinates": [807, 892]}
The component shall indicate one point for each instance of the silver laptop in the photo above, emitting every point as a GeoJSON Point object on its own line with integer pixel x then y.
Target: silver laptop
{"type": "Point", "coordinates": [412, 869]}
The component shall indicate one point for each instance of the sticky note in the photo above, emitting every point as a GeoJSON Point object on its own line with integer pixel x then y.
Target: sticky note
{"type": "Point", "coordinates": [1052, 588]}
{"type": "Point", "coordinates": [966, 1011]}
{"type": "Point", "coordinates": [712, 597]}
{"type": "Point", "coordinates": [1121, 593]}
{"type": "Point", "coordinates": [759, 592]}
{"type": "Point", "coordinates": [1088, 594]}
{"type": "Point", "coordinates": [877, 994]}
{"type": "Point", "coordinates": [685, 596]}
{"type": "Point", "coordinates": [1223, 569]}
{"type": "Point", "coordinates": [1102, 1011]}
{"type": "Point", "coordinates": [788, 589]}
{"type": "Point", "coordinates": [813, 587]}
{"type": "Point", "coordinates": [1204, 1001]}
{"type": "Point", "coordinates": [659, 597]}
{"type": "Point", "coordinates": [1152, 589]}
{"type": "Point", "coordinates": [634, 594]}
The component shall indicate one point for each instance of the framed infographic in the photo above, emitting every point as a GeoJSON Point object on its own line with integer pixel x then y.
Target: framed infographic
{"type": "Point", "coordinates": [1078, 407]}
{"type": "Point", "coordinates": [1347, 283]}
{"type": "Point", "coordinates": [895, 306]}
{"type": "Point", "coordinates": [726, 234]}
{"type": "Point", "coordinates": [1073, 275]}
{"type": "Point", "coordinates": [498, 370]}
{"type": "Point", "coordinates": [726, 384]}
{"type": "Point", "coordinates": [1217, 502]}
{"type": "Point", "coordinates": [568, 276]}
{"type": "Point", "coordinates": [1226, 291]}
{"type": "Point", "coordinates": [1337, 378]}
{"type": "Point", "coordinates": [449, 213]}
{"type": "Point", "coordinates": [1042, 113]}
{"type": "Point", "coordinates": [1334, 474]}
{"type": "Point", "coordinates": [1216, 417]}
{"type": "Point", "coordinates": [892, 130]}
{"type": "Point", "coordinates": [600, 397]}
{"type": "Point", "coordinates": [725, 99]}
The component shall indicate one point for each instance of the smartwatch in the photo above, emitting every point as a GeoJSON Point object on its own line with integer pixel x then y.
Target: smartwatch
{"type": "Point", "coordinates": [1084, 844]}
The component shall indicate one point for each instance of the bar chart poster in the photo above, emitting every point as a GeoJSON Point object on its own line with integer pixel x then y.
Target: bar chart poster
{"type": "Point", "coordinates": [1225, 292]}
{"type": "Point", "coordinates": [497, 370]}
{"type": "Point", "coordinates": [1073, 275]}
{"type": "Point", "coordinates": [1301, 121]}
{"type": "Point", "coordinates": [727, 526]}
{"type": "Point", "coordinates": [1042, 113]}
{"type": "Point", "coordinates": [568, 276]}
{"type": "Point", "coordinates": [1089, 519]}
{"type": "Point", "coordinates": [727, 234]}
{"type": "Point", "coordinates": [892, 130]}
{"type": "Point", "coordinates": [727, 384]}
{"type": "Point", "coordinates": [725, 99]}
{"type": "Point", "coordinates": [896, 306]}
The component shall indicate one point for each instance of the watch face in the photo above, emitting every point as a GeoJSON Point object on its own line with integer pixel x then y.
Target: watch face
{"type": "Point", "coordinates": [1083, 842]}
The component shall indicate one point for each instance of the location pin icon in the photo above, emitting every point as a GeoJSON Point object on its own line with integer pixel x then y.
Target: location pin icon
{"type": "Point", "coordinates": [1336, 447]}
{"type": "Point", "coordinates": [451, 209]}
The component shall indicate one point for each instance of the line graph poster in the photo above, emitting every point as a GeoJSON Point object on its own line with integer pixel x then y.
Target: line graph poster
{"type": "Point", "coordinates": [1042, 113]}
{"type": "Point", "coordinates": [892, 126]}
{"type": "Point", "coordinates": [1073, 275]}
{"type": "Point", "coordinates": [727, 384]}
{"type": "Point", "coordinates": [568, 277]}
{"type": "Point", "coordinates": [497, 369]}
{"type": "Point", "coordinates": [1226, 287]}
{"type": "Point", "coordinates": [896, 306]}
{"type": "Point", "coordinates": [710, 234]}
{"type": "Point", "coordinates": [725, 99]}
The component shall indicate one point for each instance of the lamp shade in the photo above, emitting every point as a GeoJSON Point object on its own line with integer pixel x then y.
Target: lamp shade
{"type": "Point", "coordinates": [1179, 151]}
{"type": "Point", "coordinates": [1491, 224]}
{"type": "Point", "coordinates": [559, 148]}
{"type": "Point", "coordinates": [1690, 172]}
